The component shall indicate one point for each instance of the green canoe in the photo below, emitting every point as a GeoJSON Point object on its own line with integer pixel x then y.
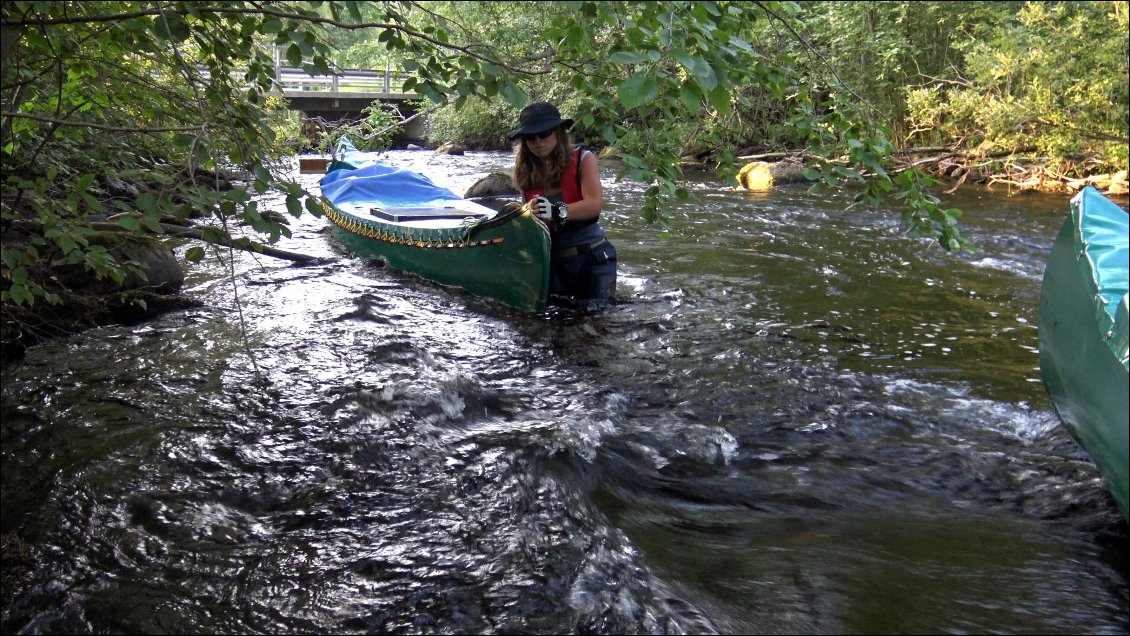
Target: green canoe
{"type": "Point", "coordinates": [1083, 333]}
{"type": "Point", "coordinates": [405, 220]}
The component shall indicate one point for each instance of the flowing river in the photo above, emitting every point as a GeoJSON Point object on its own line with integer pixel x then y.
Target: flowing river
{"type": "Point", "coordinates": [794, 420]}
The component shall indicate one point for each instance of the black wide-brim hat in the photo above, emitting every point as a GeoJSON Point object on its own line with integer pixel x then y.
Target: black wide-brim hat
{"type": "Point", "coordinates": [538, 117]}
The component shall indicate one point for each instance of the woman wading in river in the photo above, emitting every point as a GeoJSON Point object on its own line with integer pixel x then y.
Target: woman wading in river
{"type": "Point", "coordinates": [560, 185]}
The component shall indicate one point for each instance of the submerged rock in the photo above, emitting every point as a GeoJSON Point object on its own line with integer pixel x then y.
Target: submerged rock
{"type": "Point", "coordinates": [83, 300]}
{"type": "Point", "coordinates": [451, 149]}
{"type": "Point", "coordinates": [158, 262]}
{"type": "Point", "coordinates": [494, 184]}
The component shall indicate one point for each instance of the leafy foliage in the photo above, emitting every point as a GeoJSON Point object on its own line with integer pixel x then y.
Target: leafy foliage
{"type": "Point", "coordinates": [660, 80]}
{"type": "Point", "coordinates": [125, 111]}
{"type": "Point", "coordinates": [1052, 79]}
{"type": "Point", "coordinates": [374, 132]}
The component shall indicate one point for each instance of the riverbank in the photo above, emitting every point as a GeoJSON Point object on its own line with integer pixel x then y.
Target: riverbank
{"type": "Point", "coordinates": [953, 168]}
{"type": "Point", "coordinates": [63, 276]}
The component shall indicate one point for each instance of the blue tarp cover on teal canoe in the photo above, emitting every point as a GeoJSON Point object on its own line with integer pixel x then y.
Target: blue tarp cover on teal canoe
{"type": "Point", "coordinates": [383, 186]}
{"type": "Point", "coordinates": [1103, 241]}
{"type": "Point", "coordinates": [377, 184]}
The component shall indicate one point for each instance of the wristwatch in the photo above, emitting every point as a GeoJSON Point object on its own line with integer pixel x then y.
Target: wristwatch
{"type": "Point", "coordinates": [560, 212]}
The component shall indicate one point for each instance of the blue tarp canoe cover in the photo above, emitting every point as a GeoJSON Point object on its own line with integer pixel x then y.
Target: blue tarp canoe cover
{"type": "Point", "coordinates": [384, 186]}
{"type": "Point", "coordinates": [1102, 241]}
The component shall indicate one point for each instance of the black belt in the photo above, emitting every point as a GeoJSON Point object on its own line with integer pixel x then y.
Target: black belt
{"type": "Point", "coordinates": [570, 252]}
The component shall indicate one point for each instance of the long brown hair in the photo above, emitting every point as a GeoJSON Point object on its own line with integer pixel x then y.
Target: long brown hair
{"type": "Point", "coordinates": [531, 173]}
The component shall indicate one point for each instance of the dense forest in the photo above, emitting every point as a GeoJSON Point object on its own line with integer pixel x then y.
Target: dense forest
{"type": "Point", "coordinates": [135, 123]}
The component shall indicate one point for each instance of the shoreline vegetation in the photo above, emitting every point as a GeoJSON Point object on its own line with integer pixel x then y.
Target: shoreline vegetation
{"type": "Point", "coordinates": [952, 166]}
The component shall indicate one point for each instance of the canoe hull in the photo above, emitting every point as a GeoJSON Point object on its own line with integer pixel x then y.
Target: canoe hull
{"type": "Point", "coordinates": [413, 225]}
{"type": "Point", "coordinates": [1085, 377]}
{"type": "Point", "coordinates": [505, 259]}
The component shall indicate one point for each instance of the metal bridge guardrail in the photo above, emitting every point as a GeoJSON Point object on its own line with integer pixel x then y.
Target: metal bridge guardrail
{"type": "Point", "coordinates": [289, 80]}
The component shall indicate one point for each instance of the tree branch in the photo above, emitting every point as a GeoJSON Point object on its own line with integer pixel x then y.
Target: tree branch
{"type": "Point", "coordinates": [179, 231]}
{"type": "Point", "coordinates": [194, 233]}
{"type": "Point", "coordinates": [86, 124]}
{"type": "Point", "coordinates": [313, 19]}
{"type": "Point", "coordinates": [813, 50]}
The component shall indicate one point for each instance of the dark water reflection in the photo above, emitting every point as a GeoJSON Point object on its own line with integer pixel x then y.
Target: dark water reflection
{"type": "Point", "coordinates": [795, 421]}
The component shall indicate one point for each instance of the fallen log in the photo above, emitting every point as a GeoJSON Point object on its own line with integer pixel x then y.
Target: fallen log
{"type": "Point", "coordinates": [197, 234]}
{"type": "Point", "coordinates": [769, 156]}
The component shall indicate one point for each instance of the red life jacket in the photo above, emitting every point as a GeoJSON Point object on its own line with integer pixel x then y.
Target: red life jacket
{"type": "Point", "coordinates": [570, 188]}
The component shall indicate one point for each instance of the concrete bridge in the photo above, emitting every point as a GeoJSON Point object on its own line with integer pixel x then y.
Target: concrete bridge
{"type": "Point", "coordinates": [345, 94]}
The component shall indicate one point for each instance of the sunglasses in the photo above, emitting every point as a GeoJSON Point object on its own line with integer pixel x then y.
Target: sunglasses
{"type": "Point", "coordinates": [540, 135]}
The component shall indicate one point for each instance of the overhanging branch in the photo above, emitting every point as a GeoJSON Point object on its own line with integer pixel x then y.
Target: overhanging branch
{"type": "Point", "coordinates": [87, 124]}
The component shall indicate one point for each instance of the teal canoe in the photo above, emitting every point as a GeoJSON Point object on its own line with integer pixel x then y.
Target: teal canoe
{"type": "Point", "coordinates": [402, 218]}
{"type": "Point", "coordinates": [1083, 333]}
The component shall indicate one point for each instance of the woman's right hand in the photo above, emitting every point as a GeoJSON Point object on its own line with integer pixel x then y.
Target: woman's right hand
{"type": "Point", "coordinates": [541, 208]}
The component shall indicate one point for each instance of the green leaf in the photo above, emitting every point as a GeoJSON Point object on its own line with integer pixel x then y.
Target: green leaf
{"type": "Point", "coordinates": [627, 57]}
{"type": "Point", "coordinates": [315, 207]}
{"type": "Point", "coordinates": [172, 27]}
{"type": "Point", "coordinates": [294, 55]}
{"type": "Point", "coordinates": [690, 95]}
{"type": "Point", "coordinates": [202, 156]}
{"type": "Point", "coordinates": [637, 91]}
{"type": "Point", "coordinates": [576, 35]}
{"type": "Point", "coordinates": [698, 68]}
{"type": "Point", "coordinates": [213, 235]}
{"type": "Point", "coordinates": [19, 294]}
{"type": "Point", "coordinates": [194, 254]}
{"type": "Point", "coordinates": [152, 221]}
{"type": "Point", "coordinates": [66, 243]}
{"type": "Point", "coordinates": [130, 223]}
{"type": "Point", "coordinates": [720, 99]}
{"type": "Point", "coordinates": [146, 201]}
{"type": "Point", "coordinates": [84, 182]}
{"type": "Point", "coordinates": [92, 202]}
{"type": "Point", "coordinates": [293, 206]}
{"type": "Point", "coordinates": [515, 95]}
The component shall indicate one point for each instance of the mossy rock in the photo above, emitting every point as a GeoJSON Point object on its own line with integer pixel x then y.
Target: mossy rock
{"type": "Point", "coordinates": [86, 301]}
{"type": "Point", "coordinates": [162, 270]}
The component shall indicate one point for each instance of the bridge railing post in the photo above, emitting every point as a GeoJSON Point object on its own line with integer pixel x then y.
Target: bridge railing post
{"type": "Point", "coordinates": [278, 70]}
